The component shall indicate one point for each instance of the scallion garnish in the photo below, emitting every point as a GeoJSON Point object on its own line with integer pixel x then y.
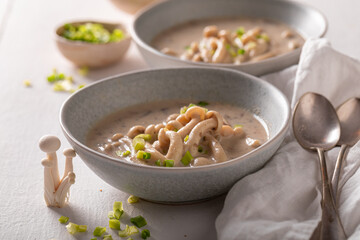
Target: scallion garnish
{"type": "Point", "coordinates": [186, 138]}
{"type": "Point", "coordinates": [99, 231]}
{"type": "Point", "coordinates": [187, 158]}
{"type": "Point", "coordinates": [238, 126]}
{"type": "Point", "coordinates": [82, 228]}
{"type": "Point", "coordinates": [114, 224]}
{"type": "Point", "coordinates": [202, 104]}
{"type": "Point", "coordinates": [111, 215]}
{"type": "Point", "coordinates": [145, 234]}
{"type": "Point", "coordinates": [107, 237]}
{"type": "Point", "coordinates": [118, 209]}
{"type": "Point", "coordinates": [168, 163]}
{"type": "Point", "coordinates": [138, 143]}
{"type": "Point", "coordinates": [240, 31]}
{"type": "Point", "coordinates": [143, 155]}
{"type": "Point", "coordinates": [146, 137]}
{"type": "Point", "coordinates": [138, 221]}
{"type": "Point", "coordinates": [129, 230]}
{"type": "Point", "coordinates": [158, 162]}
{"type": "Point", "coordinates": [72, 228]}
{"type": "Point", "coordinates": [241, 51]}
{"type": "Point", "coordinates": [132, 199]}
{"type": "Point", "coordinates": [63, 219]}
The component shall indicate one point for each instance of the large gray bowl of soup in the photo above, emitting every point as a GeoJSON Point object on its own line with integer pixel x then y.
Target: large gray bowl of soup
{"type": "Point", "coordinates": [254, 36]}
{"type": "Point", "coordinates": [176, 135]}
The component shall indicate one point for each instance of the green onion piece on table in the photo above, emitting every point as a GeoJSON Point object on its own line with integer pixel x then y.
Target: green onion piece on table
{"type": "Point", "coordinates": [82, 228]}
{"type": "Point", "coordinates": [138, 221]}
{"type": "Point", "coordinates": [114, 224]}
{"type": "Point", "coordinates": [145, 234]}
{"type": "Point", "coordinates": [111, 215]}
{"type": "Point", "coordinates": [99, 231]}
{"type": "Point", "coordinates": [133, 199]}
{"type": "Point", "coordinates": [118, 209]}
{"type": "Point", "coordinates": [72, 228]}
{"type": "Point", "coordinates": [107, 237]}
{"type": "Point", "coordinates": [63, 219]}
{"type": "Point", "coordinates": [128, 231]}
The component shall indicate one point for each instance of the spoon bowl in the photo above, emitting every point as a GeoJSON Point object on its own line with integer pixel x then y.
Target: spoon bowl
{"type": "Point", "coordinates": [315, 122]}
{"type": "Point", "coordinates": [349, 115]}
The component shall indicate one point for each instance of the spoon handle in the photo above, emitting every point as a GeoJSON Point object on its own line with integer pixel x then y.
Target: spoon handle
{"type": "Point", "coordinates": [331, 228]}
{"type": "Point", "coordinates": [337, 171]}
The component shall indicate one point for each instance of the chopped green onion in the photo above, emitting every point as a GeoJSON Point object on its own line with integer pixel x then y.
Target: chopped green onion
{"type": "Point", "coordinates": [93, 239]}
{"type": "Point", "coordinates": [187, 47]}
{"type": "Point", "coordinates": [63, 219]}
{"type": "Point", "coordinates": [202, 104]}
{"type": "Point", "coordinates": [107, 237]}
{"type": "Point", "coordinates": [158, 162]}
{"type": "Point", "coordinates": [143, 155]}
{"type": "Point", "coordinates": [186, 159]}
{"type": "Point", "coordinates": [128, 231]}
{"type": "Point", "coordinates": [92, 33]}
{"type": "Point", "coordinates": [138, 143]}
{"type": "Point", "coordinates": [111, 215]}
{"type": "Point", "coordinates": [168, 163]}
{"type": "Point", "coordinates": [118, 209]}
{"type": "Point", "coordinates": [114, 224]}
{"type": "Point", "coordinates": [123, 154]}
{"type": "Point", "coordinates": [186, 138]}
{"type": "Point", "coordinates": [191, 105]}
{"type": "Point", "coordinates": [183, 110]}
{"type": "Point", "coordinates": [130, 239]}
{"type": "Point", "coordinates": [27, 83]}
{"type": "Point", "coordinates": [145, 234]}
{"type": "Point", "coordinates": [146, 137]}
{"type": "Point", "coordinates": [133, 199]}
{"type": "Point", "coordinates": [200, 149]}
{"type": "Point", "coordinates": [82, 228]}
{"type": "Point", "coordinates": [81, 86]}
{"type": "Point", "coordinates": [138, 221]}
{"type": "Point", "coordinates": [83, 71]}
{"type": "Point", "coordinates": [238, 126]}
{"type": "Point", "coordinates": [240, 31]}
{"type": "Point", "coordinates": [265, 37]}
{"type": "Point", "coordinates": [72, 228]}
{"type": "Point", "coordinates": [241, 51]}
{"type": "Point", "coordinates": [99, 231]}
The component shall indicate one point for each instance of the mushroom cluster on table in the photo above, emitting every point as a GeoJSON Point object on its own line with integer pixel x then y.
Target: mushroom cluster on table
{"type": "Point", "coordinates": [56, 190]}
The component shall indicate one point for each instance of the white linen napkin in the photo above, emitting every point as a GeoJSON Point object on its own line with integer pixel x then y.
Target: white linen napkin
{"type": "Point", "coordinates": [282, 200]}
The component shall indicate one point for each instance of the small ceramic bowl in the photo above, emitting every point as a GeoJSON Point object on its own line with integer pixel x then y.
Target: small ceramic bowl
{"type": "Point", "coordinates": [178, 184]}
{"type": "Point", "coordinates": [92, 54]}
{"type": "Point", "coordinates": [309, 22]}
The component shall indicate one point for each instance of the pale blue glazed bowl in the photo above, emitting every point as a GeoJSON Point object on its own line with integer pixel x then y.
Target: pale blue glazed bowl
{"type": "Point", "coordinates": [179, 184]}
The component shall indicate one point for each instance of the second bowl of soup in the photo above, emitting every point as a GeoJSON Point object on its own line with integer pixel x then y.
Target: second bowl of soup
{"type": "Point", "coordinates": [256, 37]}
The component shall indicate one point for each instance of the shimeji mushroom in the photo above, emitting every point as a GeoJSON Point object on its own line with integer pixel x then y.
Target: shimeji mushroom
{"type": "Point", "coordinates": [56, 191]}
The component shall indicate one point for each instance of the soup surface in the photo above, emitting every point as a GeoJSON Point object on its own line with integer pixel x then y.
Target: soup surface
{"type": "Point", "coordinates": [174, 133]}
{"type": "Point", "coordinates": [225, 40]}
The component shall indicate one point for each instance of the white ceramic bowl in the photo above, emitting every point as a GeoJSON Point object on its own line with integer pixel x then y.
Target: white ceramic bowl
{"type": "Point", "coordinates": [178, 184]}
{"type": "Point", "coordinates": [309, 22]}
{"type": "Point", "coordinates": [91, 54]}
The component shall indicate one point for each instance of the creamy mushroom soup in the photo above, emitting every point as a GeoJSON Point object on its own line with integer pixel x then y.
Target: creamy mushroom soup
{"type": "Point", "coordinates": [235, 40]}
{"type": "Point", "coordinates": [174, 133]}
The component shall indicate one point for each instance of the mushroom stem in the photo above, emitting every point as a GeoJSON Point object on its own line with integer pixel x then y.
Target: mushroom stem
{"type": "Point", "coordinates": [55, 169]}
{"type": "Point", "coordinates": [49, 187]}
{"type": "Point", "coordinates": [69, 154]}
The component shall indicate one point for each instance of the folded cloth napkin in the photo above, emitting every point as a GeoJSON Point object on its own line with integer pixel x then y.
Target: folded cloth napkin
{"type": "Point", "coordinates": [282, 200]}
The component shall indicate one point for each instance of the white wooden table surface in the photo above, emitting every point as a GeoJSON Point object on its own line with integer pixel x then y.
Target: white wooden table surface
{"type": "Point", "coordinates": [28, 51]}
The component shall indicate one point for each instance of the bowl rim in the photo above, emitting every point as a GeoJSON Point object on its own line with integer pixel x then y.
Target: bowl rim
{"type": "Point", "coordinates": [149, 48]}
{"type": "Point", "coordinates": [62, 39]}
{"type": "Point", "coordinates": [281, 132]}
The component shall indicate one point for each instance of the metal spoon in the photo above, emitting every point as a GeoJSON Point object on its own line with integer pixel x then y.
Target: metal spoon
{"type": "Point", "coordinates": [316, 127]}
{"type": "Point", "coordinates": [349, 116]}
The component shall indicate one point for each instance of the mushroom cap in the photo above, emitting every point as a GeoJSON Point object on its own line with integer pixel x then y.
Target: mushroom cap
{"type": "Point", "coordinates": [46, 163]}
{"type": "Point", "coordinates": [49, 143]}
{"type": "Point", "coordinates": [195, 111]}
{"type": "Point", "coordinates": [69, 152]}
